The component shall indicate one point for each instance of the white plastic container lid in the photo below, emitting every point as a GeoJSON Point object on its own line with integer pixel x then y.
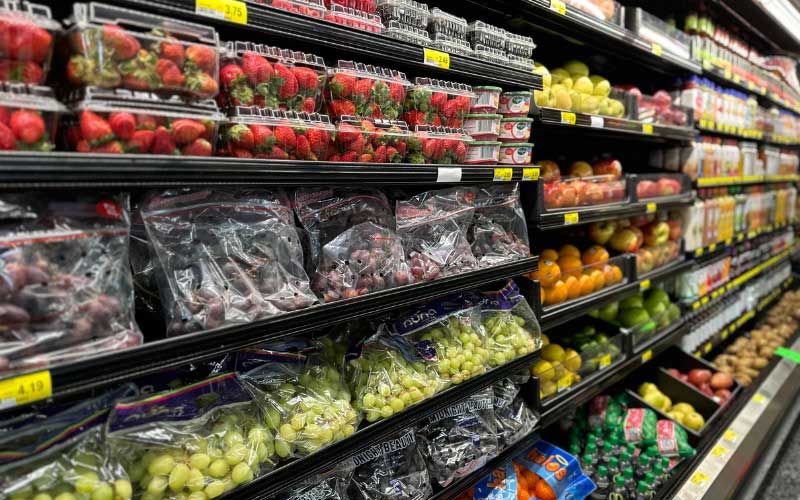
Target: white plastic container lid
{"type": "Point", "coordinates": [20, 95]}
{"type": "Point", "coordinates": [135, 101]}
{"type": "Point", "coordinates": [33, 12]}
{"type": "Point", "coordinates": [238, 48]}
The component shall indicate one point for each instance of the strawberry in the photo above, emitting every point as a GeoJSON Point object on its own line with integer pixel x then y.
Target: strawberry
{"type": "Point", "coordinates": [303, 149]}
{"type": "Point", "coordinates": [94, 128]}
{"type": "Point", "coordinates": [163, 144]}
{"type": "Point", "coordinates": [122, 45]}
{"type": "Point", "coordinates": [135, 83]}
{"type": "Point", "coordinates": [83, 147]}
{"type": "Point", "coordinates": [256, 68]}
{"type": "Point", "coordinates": [309, 105]}
{"type": "Point", "coordinates": [185, 130]}
{"type": "Point", "coordinates": [202, 56]}
{"type": "Point", "coordinates": [438, 100]}
{"type": "Point", "coordinates": [436, 121]}
{"type": "Point", "coordinates": [460, 152]}
{"type": "Point", "coordinates": [335, 158]}
{"type": "Point", "coordinates": [365, 158]}
{"type": "Point", "coordinates": [318, 140]}
{"type": "Point", "coordinates": [401, 149]}
{"type": "Point", "coordinates": [285, 137]}
{"type": "Point", "coordinates": [111, 147]}
{"type": "Point", "coordinates": [241, 136]}
{"type": "Point", "coordinates": [287, 83]}
{"type": "Point", "coordinates": [166, 66]}
{"type": "Point", "coordinates": [341, 85]}
{"type": "Point", "coordinates": [347, 133]}
{"type": "Point", "coordinates": [362, 90]}
{"type": "Point", "coordinates": [7, 141]}
{"type": "Point", "coordinates": [397, 92]}
{"type": "Point", "coordinates": [380, 154]}
{"type": "Point", "coordinates": [172, 50]}
{"type": "Point", "coordinates": [231, 75]}
{"type": "Point", "coordinates": [358, 145]}
{"type": "Point", "coordinates": [199, 147]}
{"type": "Point", "coordinates": [278, 154]}
{"type": "Point", "coordinates": [147, 122]}
{"type": "Point", "coordinates": [307, 79]}
{"type": "Point", "coordinates": [263, 138]}
{"type": "Point", "coordinates": [76, 70]}
{"type": "Point", "coordinates": [342, 107]}
{"type": "Point", "coordinates": [241, 153]}
{"type": "Point", "coordinates": [393, 155]}
{"type": "Point", "coordinates": [203, 84]}
{"type": "Point", "coordinates": [26, 72]}
{"type": "Point", "coordinates": [431, 149]}
{"type": "Point", "coordinates": [451, 109]}
{"type": "Point", "coordinates": [349, 157]}
{"type": "Point", "coordinates": [122, 124]}
{"type": "Point", "coordinates": [141, 141]}
{"type": "Point", "coordinates": [414, 117]}
{"type": "Point", "coordinates": [4, 115]}
{"type": "Point", "coordinates": [173, 78]}
{"type": "Point", "coordinates": [242, 95]}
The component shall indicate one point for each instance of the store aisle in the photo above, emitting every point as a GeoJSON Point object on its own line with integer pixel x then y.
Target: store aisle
{"type": "Point", "coordinates": [783, 479]}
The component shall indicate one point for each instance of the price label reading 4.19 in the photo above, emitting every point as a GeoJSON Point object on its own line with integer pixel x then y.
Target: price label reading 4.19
{"type": "Point", "coordinates": [25, 389]}
{"type": "Point", "coordinates": [436, 58]}
{"type": "Point", "coordinates": [230, 10]}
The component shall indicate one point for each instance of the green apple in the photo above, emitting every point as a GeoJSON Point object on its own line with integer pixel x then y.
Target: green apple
{"type": "Point", "coordinates": [583, 85]}
{"type": "Point", "coordinates": [658, 294]}
{"type": "Point", "coordinates": [609, 312]}
{"type": "Point", "coordinates": [647, 387]}
{"type": "Point", "coordinates": [634, 316]}
{"type": "Point", "coordinates": [674, 312]}
{"type": "Point", "coordinates": [693, 421]}
{"type": "Point", "coordinates": [632, 302]}
{"type": "Point", "coordinates": [684, 408]}
{"type": "Point", "coordinates": [577, 68]}
{"type": "Point", "coordinates": [654, 306]}
{"type": "Point", "coordinates": [654, 399]}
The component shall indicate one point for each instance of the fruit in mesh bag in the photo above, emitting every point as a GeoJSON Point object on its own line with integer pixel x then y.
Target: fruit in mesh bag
{"type": "Point", "coordinates": [460, 349]}
{"type": "Point", "coordinates": [507, 338]}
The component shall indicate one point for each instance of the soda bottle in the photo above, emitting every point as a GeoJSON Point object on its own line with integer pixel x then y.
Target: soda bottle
{"type": "Point", "coordinates": [650, 479]}
{"type": "Point", "coordinates": [613, 466]}
{"type": "Point", "coordinates": [630, 482]}
{"type": "Point", "coordinates": [643, 491]}
{"type": "Point", "coordinates": [608, 451]}
{"type": "Point", "coordinates": [618, 490]}
{"type": "Point", "coordinates": [601, 480]}
{"type": "Point", "coordinates": [624, 460]}
{"type": "Point", "coordinates": [643, 466]}
{"type": "Point", "coordinates": [587, 464]}
{"type": "Point", "coordinates": [658, 476]}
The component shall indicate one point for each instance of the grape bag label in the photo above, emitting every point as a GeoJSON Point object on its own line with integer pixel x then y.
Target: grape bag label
{"type": "Point", "coordinates": [470, 405]}
{"type": "Point", "coordinates": [403, 441]}
{"type": "Point", "coordinates": [322, 491]}
{"type": "Point", "coordinates": [501, 300]}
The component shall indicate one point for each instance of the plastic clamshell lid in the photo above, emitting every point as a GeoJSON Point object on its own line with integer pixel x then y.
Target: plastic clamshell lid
{"type": "Point", "coordinates": [486, 28]}
{"type": "Point", "coordinates": [99, 13]}
{"type": "Point", "coordinates": [442, 132]}
{"type": "Point", "coordinates": [490, 54]}
{"type": "Point", "coordinates": [370, 71]}
{"type": "Point", "coordinates": [379, 123]}
{"type": "Point", "coordinates": [445, 86]}
{"type": "Point", "coordinates": [33, 12]}
{"type": "Point", "coordinates": [136, 101]}
{"type": "Point", "coordinates": [406, 4]}
{"type": "Point", "coordinates": [254, 114]}
{"type": "Point", "coordinates": [400, 31]}
{"type": "Point", "coordinates": [451, 44]}
{"type": "Point", "coordinates": [20, 95]}
{"type": "Point", "coordinates": [360, 15]}
{"type": "Point", "coordinates": [522, 63]}
{"type": "Point", "coordinates": [438, 14]}
{"type": "Point", "coordinates": [238, 48]}
{"type": "Point", "coordinates": [520, 40]}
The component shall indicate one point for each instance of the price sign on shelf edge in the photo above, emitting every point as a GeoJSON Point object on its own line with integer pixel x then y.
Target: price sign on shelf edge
{"type": "Point", "coordinates": [25, 389]}
{"type": "Point", "coordinates": [436, 58]}
{"type": "Point", "coordinates": [234, 11]}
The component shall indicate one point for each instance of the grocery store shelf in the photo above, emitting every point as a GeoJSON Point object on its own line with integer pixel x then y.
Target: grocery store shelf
{"type": "Point", "coordinates": [114, 367]}
{"type": "Point", "coordinates": [722, 246]}
{"type": "Point", "coordinates": [723, 75]}
{"type": "Point", "coordinates": [568, 120]}
{"type": "Point", "coordinates": [664, 272]}
{"type": "Point", "coordinates": [744, 180]}
{"type": "Point", "coordinates": [279, 25]}
{"type": "Point", "coordinates": [80, 170]}
{"type": "Point", "coordinates": [729, 131]}
{"type": "Point", "coordinates": [559, 314]}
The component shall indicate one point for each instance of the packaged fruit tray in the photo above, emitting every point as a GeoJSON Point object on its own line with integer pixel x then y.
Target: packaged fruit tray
{"type": "Point", "coordinates": [358, 19]}
{"type": "Point", "coordinates": [406, 12]}
{"type": "Point", "coordinates": [121, 121]}
{"type": "Point", "coordinates": [575, 192]}
{"type": "Point", "coordinates": [355, 89]}
{"type": "Point", "coordinates": [369, 6]}
{"type": "Point", "coordinates": [660, 187]}
{"type": "Point", "coordinates": [442, 23]}
{"type": "Point", "coordinates": [271, 77]}
{"type": "Point", "coordinates": [310, 8]}
{"type": "Point", "coordinates": [438, 102]}
{"type": "Point", "coordinates": [112, 47]}
{"type": "Point", "coordinates": [27, 45]}
{"type": "Point", "coordinates": [29, 116]}
{"type": "Point", "coordinates": [650, 258]}
{"type": "Point", "coordinates": [438, 145]}
{"type": "Point", "coordinates": [371, 141]}
{"type": "Point", "coordinates": [406, 33]}
{"type": "Point", "coordinates": [654, 30]}
{"type": "Point", "coordinates": [659, 109]}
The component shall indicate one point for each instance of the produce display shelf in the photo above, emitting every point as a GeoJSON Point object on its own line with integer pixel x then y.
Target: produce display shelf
{"type": "Point", "coordinates": [81, 170]}
{"type": "Point", "coordinates": [114, 367]}
{"type": "Point", "coordinates": [744, 180]}
{"type": "Point", "coordinates": [276, 24]}
{"type": "Point", "coordinates": [729, 131]}
{"type": "Point", "coordinates": [666, 271]}
{"type": "Point", "coordinates": [721, 73]}
{"type": "Point", "coordinates": [722, 246]}
{"type": "Point", "coordinates": [568, 121]}
{"type": "Point", "coordinates": [572, 309]}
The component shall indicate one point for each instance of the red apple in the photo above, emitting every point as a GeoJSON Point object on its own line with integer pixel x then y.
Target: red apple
{"type": "Point", "coordinates": [633, 90]}
{"type": "Point", "coordinates": [706, 389]}
{"type": "Point", "coordinates": [662, 98]}
{"type": "Point", "coordinates": [675, 229]}
{"type": "Point", "coordinates": [721, 380]}
{"type": "Point", "coordinates": [656, 233]}
{"type": "Point", "coordinates": [684, 377]}
{"type": "Point", "coordinates": [548, 171]}
{"type": "Point", "coordinates": [699, 376]}
{"type": "Point", "coordinates": [624, 240]}
{"type": "Point", "coordinates": [674, 372]}
{"type": "Point", "coordinates": [645, 261]}
{"type": "Point", "coordinates": [646, 189]}
{"type": "Point", "coordinates": [668, 186]}
{"type": "Point", "coordinates": [592, 194]}
{"type": "Point", "coordinates": [642, 220]}
{"type": "Point", "coordinates": [616, 190]}
{"type": "Point", "coordinates": [722, 394]}
{"type": "Point", "coordinates": [600, 232]}
{"type": "Point", "coordinates": [552, 194]}
{"type": "Point", "coordinates": [609, 166]}
{"type": "Point", "coordinates": [569, 196]}
{"type": "Point", "coordinates": [580, 169]}
{"type": "Point", "coordinates": [639, 236]}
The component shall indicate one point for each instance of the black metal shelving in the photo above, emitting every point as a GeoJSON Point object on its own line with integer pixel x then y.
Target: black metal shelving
{"type": "Point", "coordinates": [569, 121]}
{"type": "Point", "coordinates": [561, 313]}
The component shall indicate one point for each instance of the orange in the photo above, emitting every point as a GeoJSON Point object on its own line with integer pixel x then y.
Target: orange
{"type": "Point", "coordinates": [573, 287]}
{"type": "Point", "coordinates": [587, 284]}
{"type": "Point", "coordinates": [543, 491]}
{"type": "Point", "coordinates": [595, 256]}
{"type": "Point", "coordinates": [569, 250]}
{"type": "Point", "coordinates": [599, 280]}
{"type": "Point", "coordinates": [547, 273]}
{"type": "Point", "coordinates": [570, 265]}
{"type": "Point", "coordinates": [608, 275]}
{"type": "Point", "coordinates": [542, 295]}
{"type": "Point", "coordinates": [617, 273]}
{"type": "Point", "coordinates": [556, 294]}
{"type": "Point", "coordinates": [548, 254]}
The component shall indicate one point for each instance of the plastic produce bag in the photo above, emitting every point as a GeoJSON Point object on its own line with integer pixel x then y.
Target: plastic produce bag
{"type": "Point", "coordinates": [62, 455]}
{"type": "Point", "coordinates": [225, 256]}
{"type": "Point", "coordinates": [512, 418]}
{"type": "Point", "coordinates": [307, 403]}
{"type": "Point", "coordinates": [604, 413]}
{"type": "Point", "coordinates": [672, 439]}
{"type": "Point", "coordinates": [460, 438]}
{"type": "Point", "coordinates": [392, 469]}
{"type": "Point", "coordinates": [451, 328]}
{"type": "Point", "coordinates": [209, 437]}
{"type": "Point", "coordinates": [640, 425]}
{"type": "Point", "coordinates": [329, 485]}
{"type": "Point", "coordinates": [499, 232]}
{"type": "Point", "coordinates": [65, 284]}
{"type": "Point", "coordinates": [501, 484]}
{"type": "Point", "coordinates": [511, 327]}
{"type": "Point", "coordinates": [433, 226]}
{"type": "Point", "coordinates": [556, 473]}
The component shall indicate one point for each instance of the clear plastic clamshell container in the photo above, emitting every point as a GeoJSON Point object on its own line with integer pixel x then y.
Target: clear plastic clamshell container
{"type": "Point", "coordinates": [606, 10]}
{"type": "Point", "coordinates": [406, 33]}
{"type": "Point", "coordinates": [481, 33]}
{"type": "Point", "coordinates": [277, 135]}
{"type": "Point", "coordinates": [27, 42]}
{"type": "Point", "coordinates": [369, 6]}
{"type": "Point", "coordinates": [571, 192]}
{"type": "Point", "coordinates": [113, 47]}
{"type": "Point", "coordinates": [519, 45]}
{"type": "Point", "coordinates": [520, 153]}
{"type": "Point", "coordinates": [491, 54]}
{"type": "Point", "coordinates": [123, 121]}
{"type": "Point", "coordinates": [353, 18]}
{"type": "Point", "coordinates": [655, 30]}
{"type": "Point", "coordinates": [451, 44]}
{"type": "Point", "coordinates": [356, 89]}
{"type": "Point", "coordinates": [311, 8]}
{"type": "Point", "coordinates": [405, 12]}
{"type": "Point", "coordinates": [28, 117]}
{"type": "Point", "coordinates": [438, 102]}
{"type": "Point", "coordinates": [442, 23]}
{"type": "Point", "coordinates": [270, 77]}
{"type": "Point", "coordinates": [367, 140]}
{"type": "Point", "coordinates": [521, 63]}
{"type": "Point", "coordinates": [659, 109]}
{"type": "Point", "coordinates": [438, 145]}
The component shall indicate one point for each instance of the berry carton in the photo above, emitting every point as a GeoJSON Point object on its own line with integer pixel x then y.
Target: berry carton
{"type": "Point", "coordinates": [438, 145]}
{"type": "Point", "coordinates": [369, 6]}
{"type": "Point", "coordinates": [310, 8]}
{"type": "Point", "coordinates": [437, 102]}
{"type": "Point", "coordinates": [355, 89]}
{"type": "Point", "coordinates": [354, 18]}
{"type": "Point", "coordinates": [27, 42]}
{"type": "Point", "coordinates": [371, 141]}
{"type": "Point", "coordinates": [28, 117]}
{"type": "Point", "coordinates": [406, 12]}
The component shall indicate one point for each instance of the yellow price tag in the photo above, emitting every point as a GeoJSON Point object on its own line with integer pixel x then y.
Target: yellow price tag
{"type": "Point", "coordinates": [737, 78]}
{"type": "Point", "coordinates": [530, 174]}
{"type": "Point", "coordinates": [571, 218]}
{"type": "Point", "coordinates": [558, 6]}
{"type": "Point", "coordinates": [644, 285]}
{"type": "Point", "coordinates": [707, 348]}
{"type": "Point", "coordinates": [503, 174]}
{"type": "Point", "coordinates": [604, 361]}
{"type": "Point", "coordinates": [730, 436]}
{"type": "Point", "coordinates": [568, 117]}
{"type": "Point", "coordinates": [699, 478]}
{"type": "Point", "coordinates": [656, 49]}
{"type": "Point", "coordinates": [759, 399]}
{"type": "Point", "coordinates": [647, 128]}
{"type": "Point", "coordinates": [647, 355]}
{"type": "Point", "coordinates": [727, 74]}
{"type": "Point", "coordinates": [751, 85]}
{"type": "Point", "coordinates": [230, 10]}
{"type": "Point", "coordinates": [651, 207]}
{"type": "Point", "coordinates": [698, 252]}
{"type": "Point", "coordinates": [704, 300]}
{"type": "Point", "coordinates": [725, 333]}
{"type": "Point", "coordinates": [719, 451]}
{"type": "Point", "coordinates": [712, 247]}
{"type": "Point", "coordinates": [696, 305]}
{"type": "Point", "coordinates": [25, 389]}
{"type": "Point", "coordinates": [436, 58]}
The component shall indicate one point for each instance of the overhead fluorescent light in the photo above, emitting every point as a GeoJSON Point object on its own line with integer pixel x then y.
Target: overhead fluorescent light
{"type": "Point", "coordinates": [784, 13]}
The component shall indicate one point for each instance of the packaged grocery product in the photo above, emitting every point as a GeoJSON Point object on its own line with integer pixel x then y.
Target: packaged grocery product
{"type": "Point", "coordinates": [306, 403]}
{"type": "Point", "coordinates": [513, 419]}
{"type": "Point", "coordinates": [658, 108]}
{"type": "Point", "coordinates": [582, 191]}
{"type": "Point", "coordinates": [501, 484]}
{"type": "Point", "coordinates": [483, 153]}
{"type": "Point", "coordinates": [440, 22]}
{"type": "Point", "coordinates": [481, 33]}
{"type": "Point", "coordinates": [27, 46]}
{"type": "Point", "coordinates": [482, 126]}
{"type": "Point", "coordinates": [437, 102]}
{"type": "Point", "coordinates": [488, 99]}
{"type": "Point", "coordinates": [459, 438]}
{"type": "Point", "coordinates": [511, 327]}
{"type": "Point", "coordinates": [499, 232]}
{"type": "Point", "coordinates": [654, 30]}
{"type": "Point", "coordinates": [559, 473]}
{"type": "Point", "coordinates": [519, 45]}
{"type": "Point", "coordinates": [672, 439]}
{"type": "Point", "coordinates": [438, 145]}
{"type": "Point", "coordinates": [369, 140]}
{"type": "Point", "coordinates": [66, 283]}
{"type": "Point", "coordinates": [392, 469]}
{"type": "Point", "coordinates": [280, 135]}
{"type": "Point", "coordinates": [661, 185]}
{"type": "Point", "coordinates": [311, 8]}
{"type": "Point", "coordinates": [62, 455]}
{"type": "Point", "coordinates": [269, 77]}
{"type": "Point", "coordinates": [515, 103]}
{"type": "Point", "coordinates": [224, 256]}
{"type": "Point", "coordinates": [640, 426]}
{"type": "Point", "coordinates": [451, 328]}
{"type": "Point", "coordinates": [604, 413]}
{"type": "Point", "coordinates": [490, 54]}
{"type": "Point", "coordinates": [329, 485]}
{"type": "Point", "coordinates": [116, 121]}
{"type": "Point", "coordinates": [387, 373]}
{"type": "Point", "coordinates": [369, 6]}
{"type": "Point", "coordinates": [113, 47]}
{"type": "Point", "coordinates": [407, 33]}
{"type": "Point", "coordinates": [356, 89]}
{"type": "Point", "coordinates": [207, 437]}
{"type": "Point", "coordinates": [407, 12]}
{"type": "Point", "coordinates": [451, 44]}
{"type": "Point", "coordinates": [606, 10]}
{"type": "Point", "coordinates": [354, 18]}
{"type": "Point", "coordinates": [515, 129]}
{"type": "Point", "coordinates": [516, 153]}
{"type": "Point", "coordinates": [433, 226]}
{"type": "Point", "coordinates": [28, 117]}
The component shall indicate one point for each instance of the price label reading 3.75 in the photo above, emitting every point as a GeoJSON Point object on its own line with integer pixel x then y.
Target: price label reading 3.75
{"type": "Point", "coordinates": [234, 11]}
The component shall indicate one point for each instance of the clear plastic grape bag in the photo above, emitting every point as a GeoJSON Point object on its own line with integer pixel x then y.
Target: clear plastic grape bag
{"type": "Point", "coordinates": [499, 232]}
{"type": "Point", "coordinates": [511, 327]}
{"type": "Point", "coordinates": [65, 284]}
{"type": "Point", "coordinates": [62, 455]}
{"type": "Point", "coordinates": [329, 485]}
{"type": "Point", "coordinates": [512, 418]}
{"type": "Point", "coordinates": [307, 405]}
{"type": "Point", "coordinates": [433, 226]}
{"type": "Point", "coordinates": [225, 256]}
{"type": "Point", "coordinates": [451, 328]}
{"type": "Point", "coordinates": [208, 437]}
{"type": "Point", "coordinates": [460, 438]}
{"type": "Point", "coordinates": [392, 470]}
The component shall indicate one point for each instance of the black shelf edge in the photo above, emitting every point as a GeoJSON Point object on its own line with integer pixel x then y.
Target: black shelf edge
{"type": "Point", "coordinates": [114, 367]}
{"type": "Point", "coordinates": [277, 24]}
{"type": "Point", "coordinates": [574, 216]}
{"type": "Point", "coordinates": [747, 180]}
{"type": "Point", "coordinates": [82, 170]}
{"type": "Point", "coordinates": [720, 75]}
{"type": "Point", "coordinates": [561, 313]}
{"type": "Point", "coordinates": [568, 120]}
{"type": "Point", "coordinates": [723, 246]}
{"type": "Point", "coordinates": [667, 271]}
{"type": "Point", "coordinates": [268, 485]}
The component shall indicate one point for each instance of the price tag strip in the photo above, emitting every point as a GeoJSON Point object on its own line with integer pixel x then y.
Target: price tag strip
{"type": "Point", "coordinates": [25, 389]}
{"type": "Point", "coordinates": [234, 11]}
{"type": "Point", "coordinates": [436, 58]}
